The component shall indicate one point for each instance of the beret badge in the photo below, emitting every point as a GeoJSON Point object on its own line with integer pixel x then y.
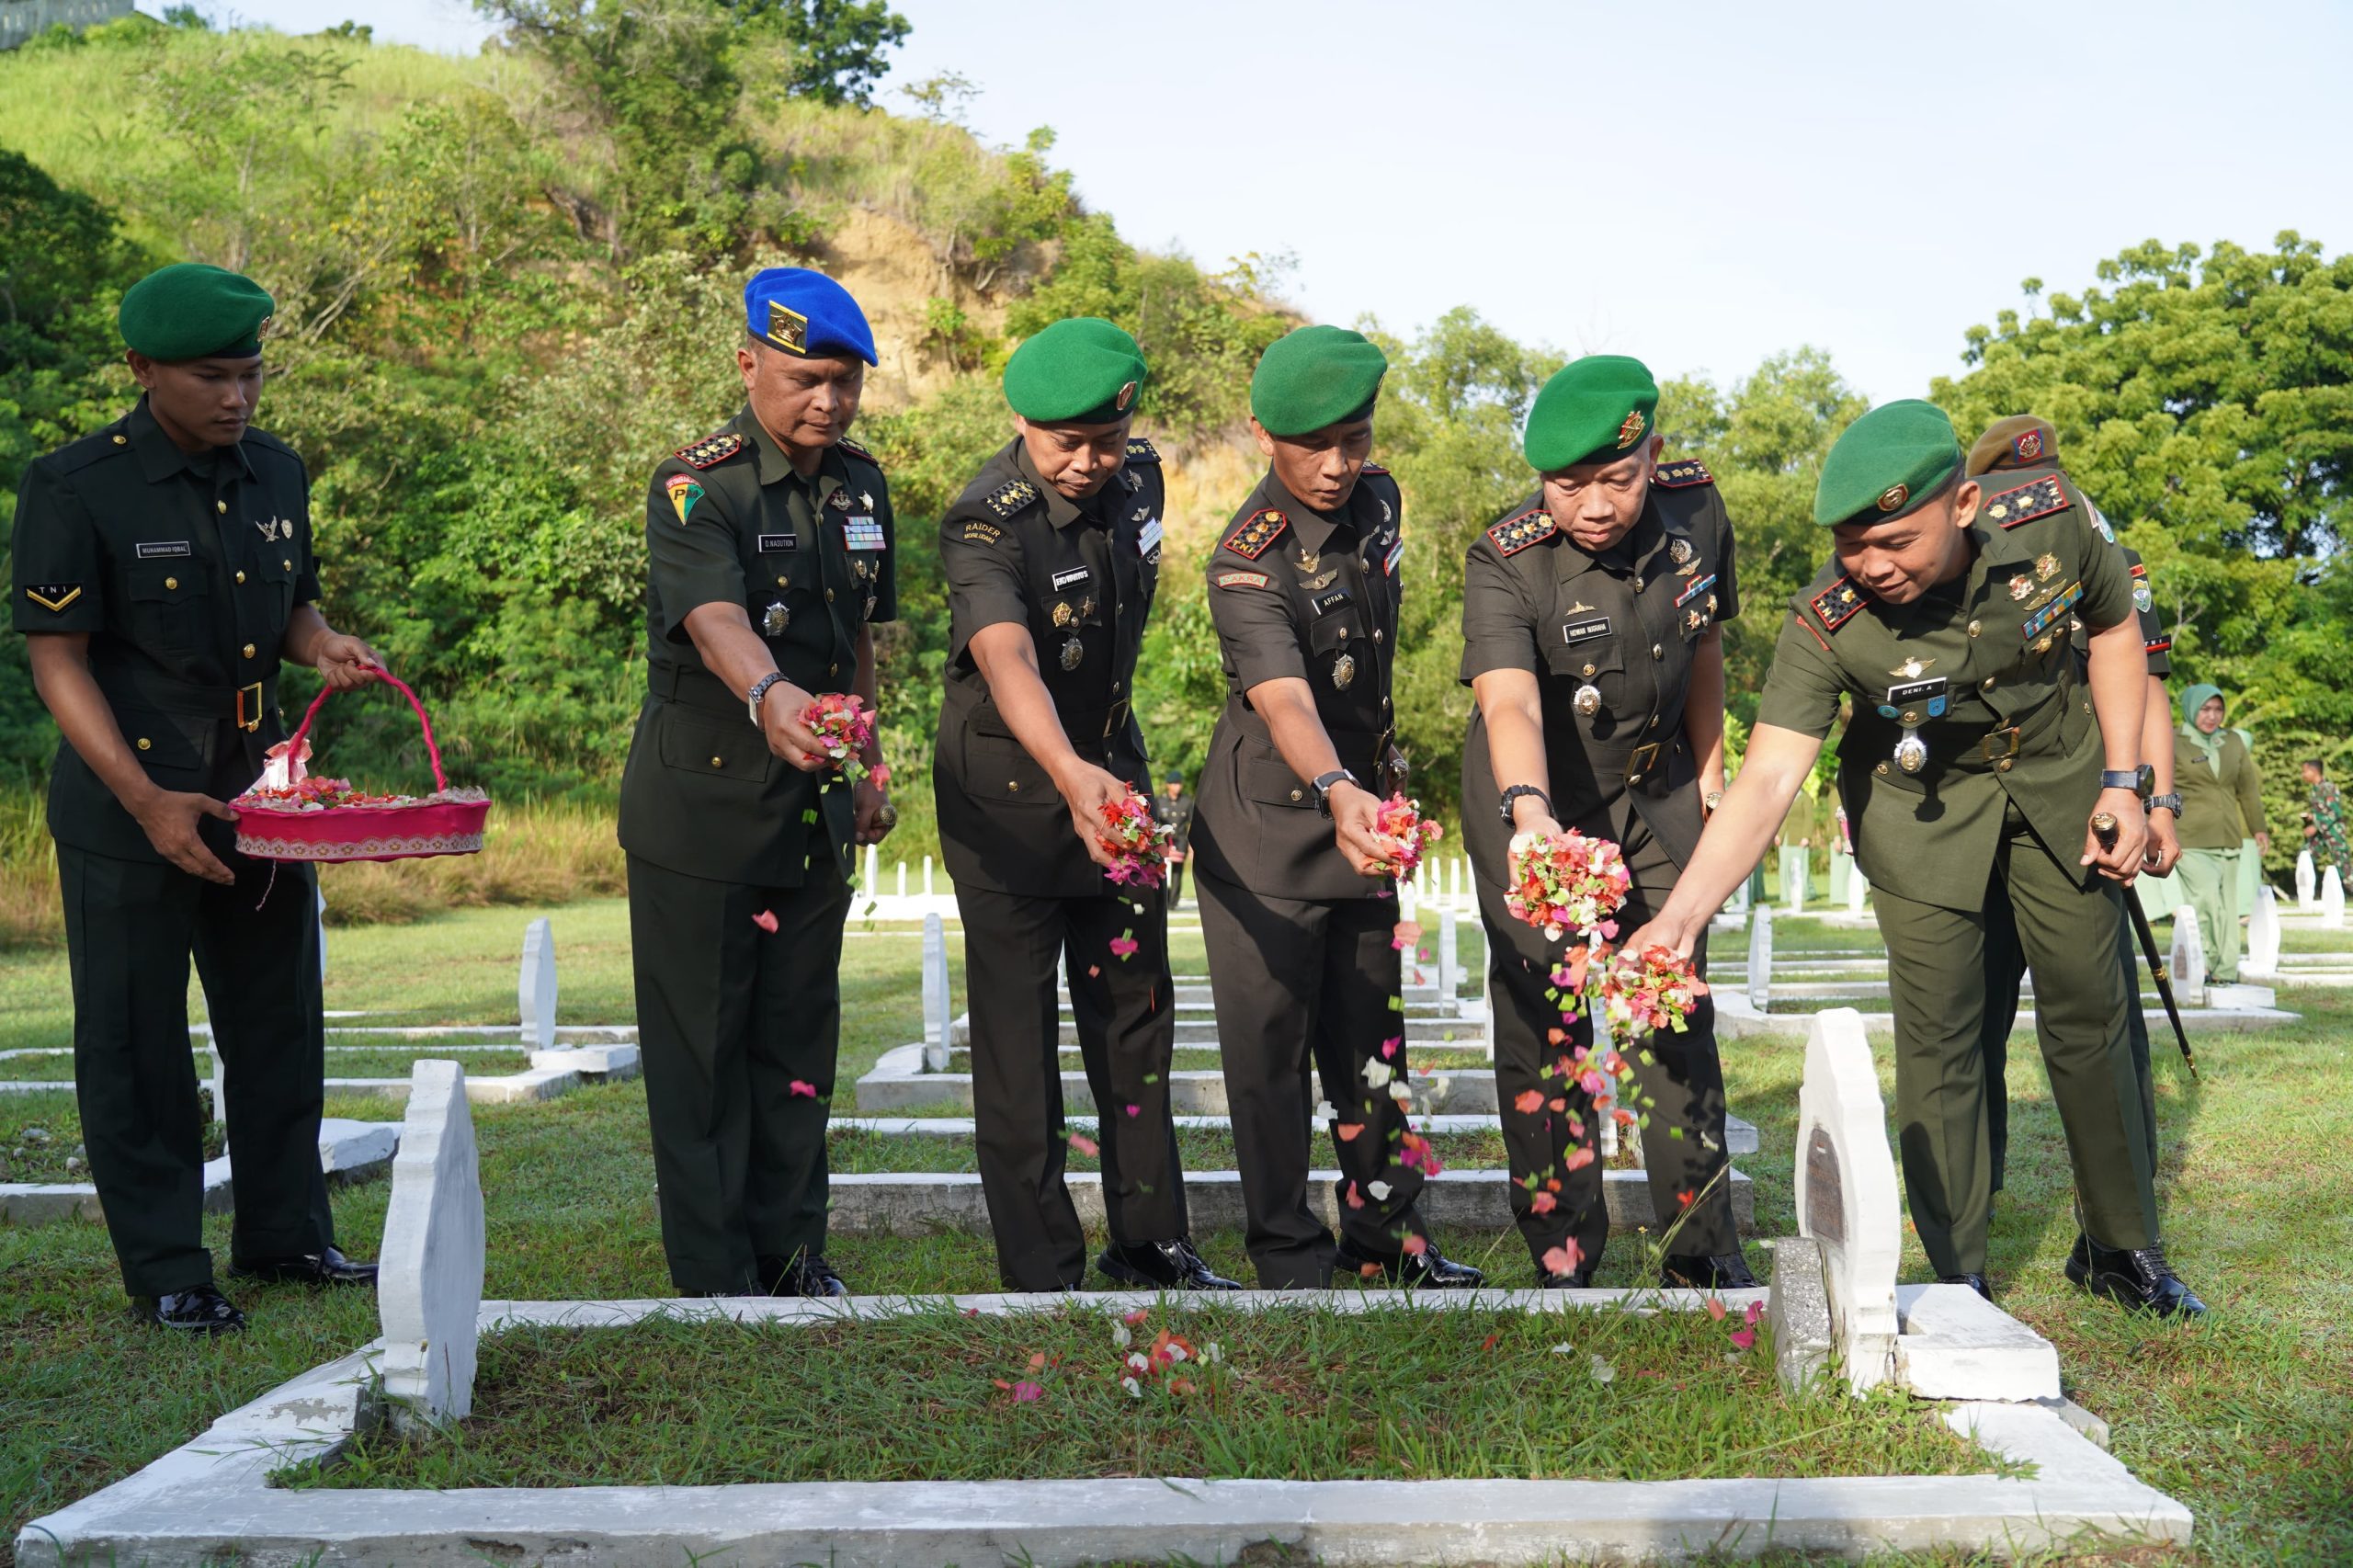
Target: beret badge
{"type": "Point", "coordinates": [1630, 431]}
{"type": "Point", "coordinates": [1894, 496]}
{"type": "Point", "coordinates": [788, 328]}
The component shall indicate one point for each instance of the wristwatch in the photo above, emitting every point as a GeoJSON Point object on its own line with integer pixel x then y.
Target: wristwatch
{"type": "Point", "coordinates": [1513, 796]}
{"type": "Point", "coordinates": [1322, 786]}
{"type": "Point", "coordinates": [2171, 803]}
{"type": "Point", "coordinates": [760, 689]}
{"type": "Point", "coordinates": [2120, 779]}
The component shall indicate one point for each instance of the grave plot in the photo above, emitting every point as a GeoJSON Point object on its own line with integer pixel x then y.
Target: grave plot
{"type": "Point", "coordinates": [950, 1444]}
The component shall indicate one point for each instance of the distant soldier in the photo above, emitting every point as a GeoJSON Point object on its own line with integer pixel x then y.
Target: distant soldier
{"type": "Point", "coordinates": [1173, 809]}
{"type": "Point", "coordinates": [1053, 557]}
{"type": "Point", "coordinates": [769, 548]}
{"type": "Point", "coordinates": [1298, 906]}
{"type": "Point", "coordinates": [1593, 621]}
{"type": "Point", "coordinates": [164, 573]}
{"type": "Point", "coordinates": [1971, 771]}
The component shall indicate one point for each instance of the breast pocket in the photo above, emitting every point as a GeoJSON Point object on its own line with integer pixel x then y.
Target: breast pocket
{"type": "Point", "coordinates": [999, 768]}
{"type": "Point", "coordinates": [733, 752]}
{"type": "Point", "coordinates": [1335, 648]}
{"type": "Point", "coordinates": [276, 575]}
{"type": "Point", "coordinates": [170, 608]}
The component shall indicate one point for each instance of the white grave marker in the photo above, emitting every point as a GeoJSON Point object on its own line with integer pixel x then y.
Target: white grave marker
{"type": "Point", "coordinates": [2263, 932]}
{"type": "Point", "coordinates": [323, 935]}
{"type": "Point", "coordinates": [2307, 882]}
{"type": "Point", "coordinates": [1847, 1193]}
{"type": "Point", "coordinates": [2189, 959]}
{"type": "Point", "coordinates": [220, 1085]}
{"type": "Point", "coordinates": [1449, 963]}
{"type": "Point", "coordinates": [535, 996]}
{"type": "Point", "coordinates": [1602, 1040]}
{"type": "Point", "coordinates": [1858, 887]}
{"type": "Point", "coordinates": [873, 878]}
{"type": "Point", "coordinates": [1487, 1007]}
{"type": "Point", "coordinates": [903, 879]}
{"type": "Point", "coordinates": [1738, 903]}
{"type": "Point", "coordinates": [2332, 900]}
{"type": "Point", "coordinates": [938, 1020]}
{"type": "Point", "coordinates": [429, 1292]}
{"type": "Point", "coordinates": [1760, 957]}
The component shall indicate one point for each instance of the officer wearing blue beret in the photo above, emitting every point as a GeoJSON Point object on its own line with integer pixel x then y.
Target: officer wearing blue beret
{"type": "Point", "coordinates": [769, 548]}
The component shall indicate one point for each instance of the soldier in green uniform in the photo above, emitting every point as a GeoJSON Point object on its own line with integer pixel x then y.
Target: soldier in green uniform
{"type": "Point", "coordinates": [769, 557]}
{"type": "Point", "coordinates": [1052, 558]}
{"type": "Point", "coordinates": [1298, 905]}
{"type": "Point", "coordinates": [163, 573]}
{"type": "Point", "coordinates": [1972, 768]}
{"type": "Point", "coordinates": [1592, 629]}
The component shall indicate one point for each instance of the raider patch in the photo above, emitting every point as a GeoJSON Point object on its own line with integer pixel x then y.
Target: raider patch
{"type": "Point", "coordinates": [1253, 538]}
{"type": "Point", "coordinates": [1143, 451]}
{"type": "Point", "coordinates": [712, 450]}
{"type": "Point", "coordinates": [2028, 502]}
{"type": "Point", "coordinates": [1515, 534]}
{"type": "Point", "coordinates": [1682, 475]}
{"type": "Point", "coordinates": [1011, 496]}
{"type": "Point", "coordinates": [978, 533]}
{"type": "Point", "coordinates": [53, 596]}
{"type": "Point", "coordinates": [1838, 604]}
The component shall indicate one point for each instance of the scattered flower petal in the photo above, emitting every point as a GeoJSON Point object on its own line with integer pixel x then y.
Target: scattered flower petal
{"type": "Point", "coordinates": [766, 921]}
{"type": "Point", "coordinates": [1123, 947]}
{"type": "Point", "coordinates": [1347, 1132]}
{"type": "Point", "coordinates": [1603, 1373]}
{"type": "Point", "coordinates": [1083, 1145]}
{"type": "Point", "coordinates": [1379, 1190]}
{"type": "Point", "coordinates": [802, 1088]}
{"type": "Point", "coordinates": [1566, 1258]}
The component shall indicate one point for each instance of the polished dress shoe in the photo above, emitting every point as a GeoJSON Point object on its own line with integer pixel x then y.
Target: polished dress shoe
{"type": "Point", "coordinates": [804, 1275]}
{"type": "Point", "coordinates": [1976, 1282]}
{"type": "Point", "coordinates": [1724, 1271]}
{"type": "Point", "coordinates": [1165, 1265]}
{"type": "Point", "coordinates": [1428, 1268]}
{"type": "Point", "coordinates": [199, 1308]}
{"type": "Point", "coordinates": [328, 1268]}
{"type": "Point", "coordinates": [2138, 1279]}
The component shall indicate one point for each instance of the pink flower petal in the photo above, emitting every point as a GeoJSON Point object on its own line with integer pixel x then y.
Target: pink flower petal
{"type": "Point", "coordinates": [1135, 1110]}
{"type": "Point", "coordinates": [766, 921]}
{"type": "Point", "coordinates": [1083, 1143]}
{"type": "Point", "coordinates": [1565, 1258]}
{"type": "Point", "coordinates": [808, 1091]}
{"type": "Point", "coordinates": [1025, 1391]}
{"type": "Point", "coordinates": [1123, 947]}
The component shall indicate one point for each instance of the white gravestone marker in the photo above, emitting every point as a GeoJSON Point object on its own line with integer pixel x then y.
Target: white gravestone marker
{"type": "Point", "coordinates": [220, 1085]}
{"type": "Point", "coordinates": [1487, 1008]}
{"type": "Point", "coordinates": [2307, 882]}
{"type": "Point", "coordinates": [926, 875]}
{"type": "Point", "coordinates": [2187, 961]}
{"type": "Point", "coordinates": [1760, 957]}
{"type": "Point", "coordinates": [936, 1017]}
{"type": "Point", "coordinates": [535, 998]}
{"type": "Point", "coordinates": [323, 935]}
{"type": "Point", "coordinates": [1858, 887]}
{"type": "Point", "coordinates": [1738, 903]}
{"type": "Point", "coordinates": [1847, 1193]}
{"type": "Point", "coordinates": [903, 879]}
{"type": "Point", "coordinates": [2263, 932]}
{"type": "Point", "coordinates": [429, 1292]}
{"type": "Point", "coordinates": [1449, 963]}
{"type": "Point", "coordinates": [873, 878]}
{"type": "Point", "coordinates": [1602, 1040]}
{"type": "Point", "coordinates": [2332, 900]}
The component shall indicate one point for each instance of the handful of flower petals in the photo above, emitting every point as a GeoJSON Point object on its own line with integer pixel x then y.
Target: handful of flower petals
{"type": "Point", "coordinates": [1565, 881]}
{"type": "Point", "coordinates": [1401, 819]}
{"type": "Point", "coordinates": [1655, 989]}
{"type": "Point", "coordinates": [845, 726]}
{"type": "Point", "coordinates": [1139, 843]}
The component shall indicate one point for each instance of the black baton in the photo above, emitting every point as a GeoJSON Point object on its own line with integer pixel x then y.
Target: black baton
{"type": "Point", "coordinates": [2104, 829]}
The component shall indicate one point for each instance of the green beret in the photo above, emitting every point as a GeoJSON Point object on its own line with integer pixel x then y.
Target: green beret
{"type": "Point", "coordinates": [1081, 370]}
{"type": "Point", "coordinates": [1597, 410]}
{"type": "Point", "coordinates": [191, 310]}
{"type": "Point", "coordinates": [1890, 462]}
{"type": "Point", "coordinates": [1313, 377]}
{"type": "Point", "coordinates": [2022, 441]}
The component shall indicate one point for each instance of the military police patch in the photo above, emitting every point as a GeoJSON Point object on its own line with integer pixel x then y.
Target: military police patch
{"type": "Point", "coordinates": [683, 493]}
{"type": "Point", "coordinates": [1682, 475]}
{"type": "Point", "coordinates": [1837, 603]}
{"type": "Point", "coordinates": [53, 596]}
{"type": "Point", "coordinates": [1515, 534]}
{"type": "Point", "coordinates": [1011, 496]}
{"type": "Point", "coordinates": [2028, 502]}
{"type": "Point", "coordinates": [712, 450]}
{"type": "Point", "coordinates": [2028, 445]}
{"type": "Point", "coordinates": [1143, 451]}
{"type": "Point", "coordinates": [1252, 540]}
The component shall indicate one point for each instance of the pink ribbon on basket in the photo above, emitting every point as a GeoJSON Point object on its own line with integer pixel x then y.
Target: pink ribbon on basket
{"type": "Point", "coordinates": [432, 750]}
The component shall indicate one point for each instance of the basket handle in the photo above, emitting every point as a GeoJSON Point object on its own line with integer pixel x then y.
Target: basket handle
{"type": "Point", "coordinates": [294, 744]}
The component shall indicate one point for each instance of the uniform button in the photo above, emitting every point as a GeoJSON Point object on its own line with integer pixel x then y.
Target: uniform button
{"type": "Point", "coordinates": [249, 650]}
{"type": "Point", "coordinates": [171, 581]}
{"type": "Point", "coordinates": [829, 596]}
{"type": "Point", "coordinates": [1115, 689]}
{"type": "Point", "coordinates": [287, 564]}
{"type": "Point", "coordinates": [1297, 795]}
{"type": "Point", "coordinates": [832, 669]}
{"type": "Point", "coordinates": [1974, 628]}
{"type": "Point", "coordinates": [719, 762]}
{"type": "Point", "coordinates": [1375, 634]}
{"type": "Point", "coordinates": [2004, 766]}
{"type": "Point", "coordinates": [1343, 634]}
{"type": "Point", "coordinates": [240, 576]}
{"type": "Point", "coordinates": [1986, 685]}
{"type": "Point", "coordinates": [1881, 768]}
{"type": "Point", "coordinates": [122, 440]}
{"type": "Point", "coordinates": [1588, 672]}
{"type": "Point", "coordinates": [1653, 721]}
{"type": "Point", "coordinates": [1013, 786]}
{"type": "Point", "coordinates": [1658, 651]}
{"type": "Point", "coordinates": [146, 744]}
{"type": "Point", "coordinates": [784, 582]}
{"type": "Point", "coordinates": [221, 506]}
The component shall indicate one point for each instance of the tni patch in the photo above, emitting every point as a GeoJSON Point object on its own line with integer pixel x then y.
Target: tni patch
{"type": "Point", "coordinates": [1011, 496]}
{"type": "Point", "coordinates": [1253, 538]}
{"type": "Point", "coordinates": [53, 596]}
{"type": "Point", "coordinates": [1838, 604]}
{"type": "Point", "coordinates": [2028, 502]}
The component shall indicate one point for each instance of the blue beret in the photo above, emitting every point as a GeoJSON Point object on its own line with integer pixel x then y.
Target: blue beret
{"type": "Point", "coordinates": [806, 313]}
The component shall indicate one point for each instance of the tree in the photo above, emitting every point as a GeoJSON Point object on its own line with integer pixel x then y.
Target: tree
{"type": "Point", "coordinates": [840, 44]}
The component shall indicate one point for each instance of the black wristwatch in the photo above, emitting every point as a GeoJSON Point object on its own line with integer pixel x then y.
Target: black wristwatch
{"type": "Point", "coordinates": [1322, 786]}
{"type": "Point", "coordinates": [2171, 803]}
{"type": "Point", "coordinates": [1514, 795]}
{"type": "Point", "coordinates": [2118, 778]}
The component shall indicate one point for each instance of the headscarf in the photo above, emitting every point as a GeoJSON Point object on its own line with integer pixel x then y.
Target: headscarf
{"type": "Point", "coordinates": [2210, 747]}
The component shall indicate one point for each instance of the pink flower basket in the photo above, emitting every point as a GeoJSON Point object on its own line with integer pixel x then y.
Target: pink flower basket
{"type": "Point", "coordinates": [448, 822]}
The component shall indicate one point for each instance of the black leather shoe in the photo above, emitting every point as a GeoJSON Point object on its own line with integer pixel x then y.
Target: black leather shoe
{"type": "Point", "coordinates": [1428, 1269]}
{"type": "Point", "coordinates": [2138, 1279]}
{"type": "Point", "coordinates": [1581, 1280]}
{"type": "Point", "coordinates": [1974, 1281]}
{"type": "Point", "coordinates": [1724, 1271]}
{"type": "Point", "coordinates": [2079, 1260]}
{"type": "Point", "coordinates": [1165, 1265]}
{"type": "Point", "coordinates": [807, 1275]}
{"type": "Point", "coordinates": [328, 1268]}
{"type": "Point", "coordinates": [200, 1309]}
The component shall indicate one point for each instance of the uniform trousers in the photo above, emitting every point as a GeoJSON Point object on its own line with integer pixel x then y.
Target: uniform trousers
{"type": "Point", "coordinates": [730, 1016]}
{"type": "Point", "coordinates": [2209, 884]}
{"type": "Point", "coordinates": [1939, 984]}
{"type": "Point", "coordinates": [1679, 1084]}
{"type": "Point", "coordinates": [1125, 1013]}
{"type": "Point", "coordinates": [130, 926]}
{"type": "Point", "coordinates": [1308, 986]}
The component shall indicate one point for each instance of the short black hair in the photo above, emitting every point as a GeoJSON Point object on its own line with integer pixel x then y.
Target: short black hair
{"type": "Point", "coordinates": [2316, 765]}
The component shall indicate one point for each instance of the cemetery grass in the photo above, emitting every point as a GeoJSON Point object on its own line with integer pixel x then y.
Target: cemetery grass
{"type": "Point", "coordinates": [2248, 1418]}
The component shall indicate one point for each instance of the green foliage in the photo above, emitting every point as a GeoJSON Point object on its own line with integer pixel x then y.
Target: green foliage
{"type": "Point", "coordinates": [838, 44]}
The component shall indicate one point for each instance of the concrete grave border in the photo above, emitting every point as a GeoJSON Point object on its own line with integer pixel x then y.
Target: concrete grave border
{"type": "Point", "coordinates": [348, 1152]}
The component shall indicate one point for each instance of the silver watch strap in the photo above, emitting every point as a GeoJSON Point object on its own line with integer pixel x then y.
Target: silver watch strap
{"type": "Point", "coordinates": [760, 689]}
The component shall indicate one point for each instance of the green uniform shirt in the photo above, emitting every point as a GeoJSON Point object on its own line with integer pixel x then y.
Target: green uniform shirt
{"type": "Point", "coordinates": [1980, 669]}
{"type": "Point", "coordinates": [184, 571]}
{"type": "Point", "coordinates": [728, 521]}
{"type": "Point", "coordinates": [2221, 801]}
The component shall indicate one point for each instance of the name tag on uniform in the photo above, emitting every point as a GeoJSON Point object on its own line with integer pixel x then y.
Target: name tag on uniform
{"type": "Point", "coordinates": [1580, 630]}
{"type": "Point", "coordinates": [1070, 577]}
{"type": "Point", "coordinates": [861, 533]}
{"type": "Point", "coordinates": [171, 550]}
{"type": "Point", "coordinates": [1324, 604]}
{"type": "Point", "coordinates": [1909, 694]}
{"type": "Point", "coordinates": [772, 543]}
{"type": "Point", "coordinates": [1396, 553]}
{"type": "Point", "coordinates": [1149, 539]}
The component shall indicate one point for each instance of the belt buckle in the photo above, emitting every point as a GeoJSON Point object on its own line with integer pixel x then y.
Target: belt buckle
{"type": "Point", "coordinates": [254, 723]}
{"type": "Point", "coordinates": [1986, 744]}
{"type": "Point", "coordinates": [1645, 759]}
{"type": "Point", "coordinates": [1115, 721]}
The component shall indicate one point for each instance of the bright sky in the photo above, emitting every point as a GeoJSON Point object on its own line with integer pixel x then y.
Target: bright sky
{"type": "Point", "coordinates": [1699, 186]}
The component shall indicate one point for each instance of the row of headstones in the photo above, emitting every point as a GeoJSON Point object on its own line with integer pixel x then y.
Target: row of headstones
{"type": "Point", "coordinates": [1446, 878]}
{"type": "Point", "coordinates": [2323, 893]}
{"type": "Point", "coordinates": [1847, 884]}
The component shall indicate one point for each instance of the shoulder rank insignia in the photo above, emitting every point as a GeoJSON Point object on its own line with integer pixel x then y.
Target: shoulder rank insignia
{"type": "Point", "coordinates": [1682, 475]}
{"type": "Point", "coordinates": [1837, 603]}
{"type": "Point", "coordinates": [1371, 467]}
{"type": "Point", "coordinates": [2028, 502]}
{"type": "Point", "coordinates": [1253, 538]}
{"type": "Point", "coordinates": [1011, 496]}
{"type": "Point", "coordinates": [853, 449]}
{"type": "Point", "coordinates": [1515, 534]}
{"type": "Point", "coordinates": [712, 450]}
{"type": "Point", "coordinates": [1143, 451]}
{"type": "Point", "coordinates": [53, 596]}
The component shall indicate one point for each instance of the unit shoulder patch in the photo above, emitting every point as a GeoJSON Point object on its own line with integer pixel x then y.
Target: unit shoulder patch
{"type": "Point", "coordinates": [1837, 603]}
{"type": "Point", "coordinates": [979, 532]}
{"type": "Point", "coordinates": [1240, 579]}
{"type": "Point", "coordinates": [1261, 529]}
{"type": "Point", "coordinates": [53, 596]}
{"type": "Point", "coordinates": [1682, 475]}
{"type": "Point", "coordinates": [1143, 451]}
{"type": "Point", "coordinates": [2028, 502]}
{"type": "Point", "coordinates": [1010, 497]}
{"type": "Point", "coordinates": [712, 450]}
{"type": "Point", "coordinates": [1515, 534]}
{"type": "Point", "coordinates": [860, 454]}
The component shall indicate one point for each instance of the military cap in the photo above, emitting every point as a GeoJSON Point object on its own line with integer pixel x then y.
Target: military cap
{"type": "Point", "coordinates": [191, 311]}
{"type": "Point", "coordinates": [1596, 410]}
{"type": "Point", "coordinates": [1890, 462]}
{"type": "Point", "coordinates": [1081, 370]}
{"type": "Point", "coordinates": [1313, 377]}
{"type": "Point", "coordinates": [806, 314]}
{"type": "Point", "coordinates": [2019, 441]}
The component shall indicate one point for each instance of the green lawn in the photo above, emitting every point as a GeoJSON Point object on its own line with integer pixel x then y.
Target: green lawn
{"type": "Point", "coordinates": [2248, 1417]}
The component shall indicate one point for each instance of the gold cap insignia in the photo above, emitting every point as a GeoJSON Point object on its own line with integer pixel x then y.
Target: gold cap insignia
{"type": "Point", "coordinates": [1127, 395]}
{"type": "Point", "coordinates": [1894, 495]}
{"type": "Point", "coordinates": [1630, 431]}
{"type": "Point", "coordinates": [788, 328]}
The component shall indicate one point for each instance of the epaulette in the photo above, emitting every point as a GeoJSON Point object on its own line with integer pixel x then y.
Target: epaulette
{"type": "Point", "coordinates": [1251, 538]}
{"type": "Point", "coordinates": [1143, 451]}
{"type": "Point", "coordinates": [860, 454]}
{"type": "Point", "coordinates": [2028, 502]}
{"type": "Point", "coordinates": [265, 440]}
{"type": "Point", "coordinates": [1010, 497]}
{"type": "Point", "coordinates": [1837, 603]}
{"type": "Point", "coordinates": [81, 454]}
{"type": "Point", "coordinates": [1515, 534]}
{"type": "Point", "coordinates": [1371, 467]}
{"type": "Point", "coordinates": [712, 450]}
{"type": "Point", "coordinates": [1681, 475]}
